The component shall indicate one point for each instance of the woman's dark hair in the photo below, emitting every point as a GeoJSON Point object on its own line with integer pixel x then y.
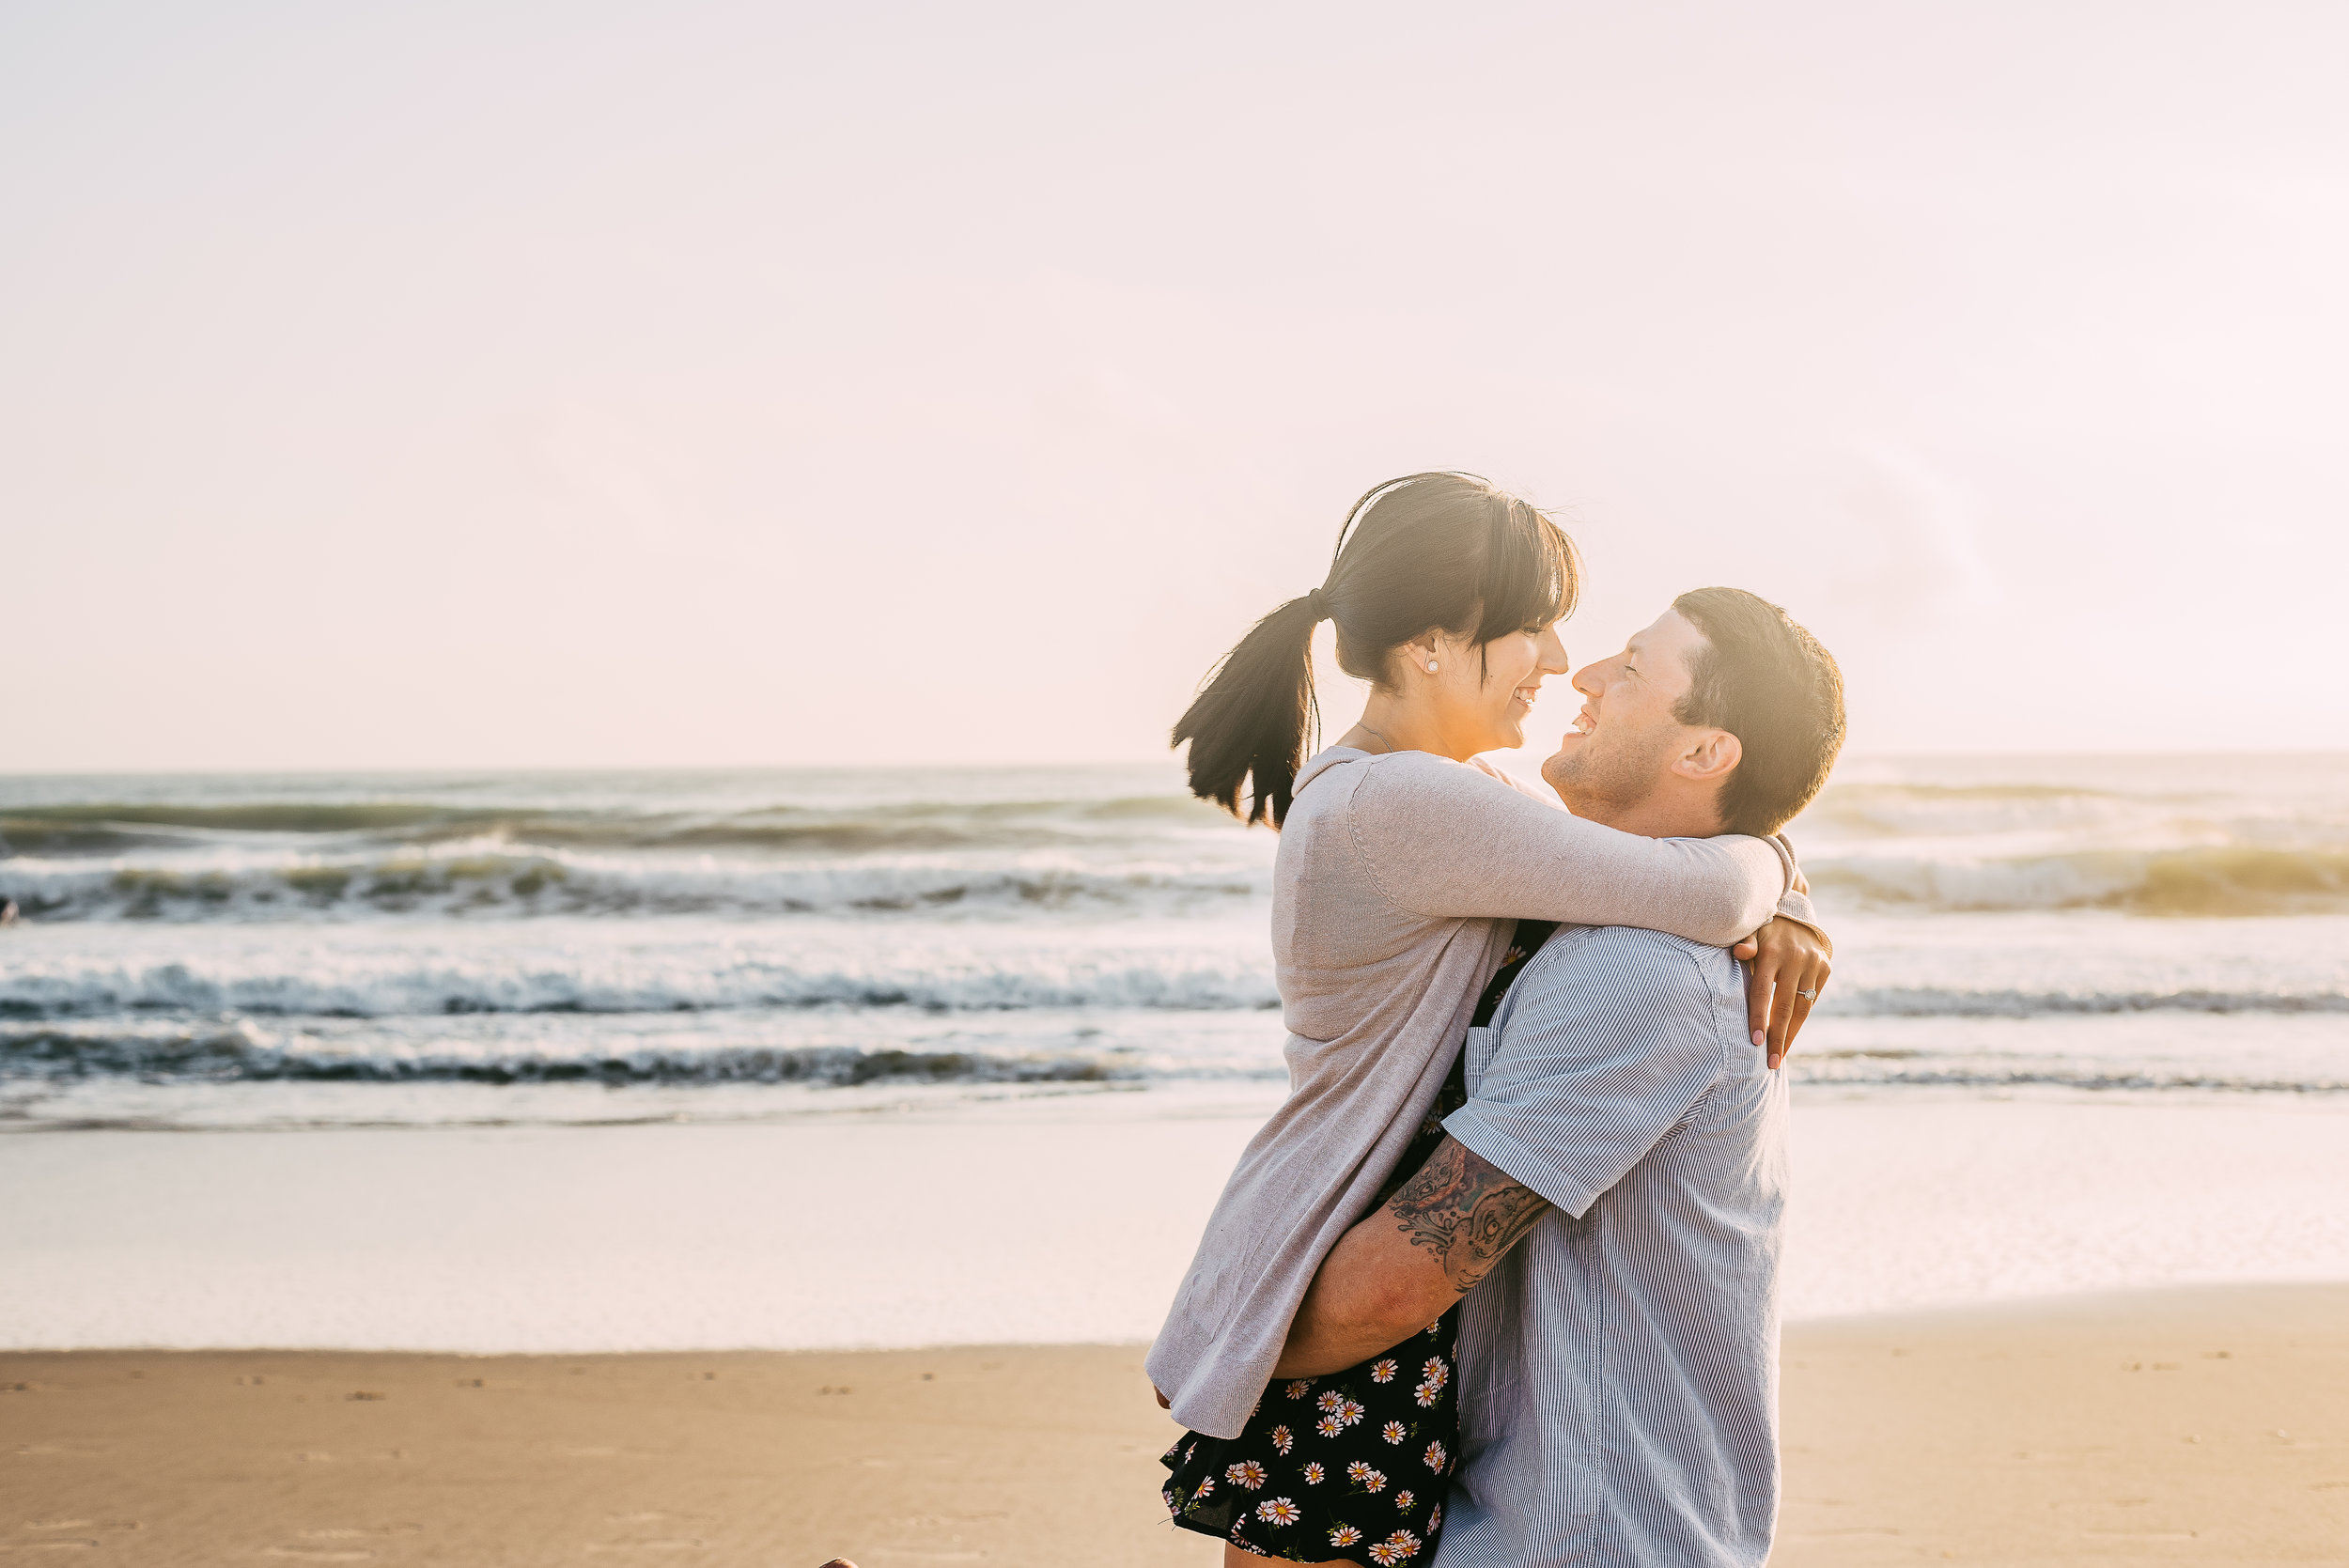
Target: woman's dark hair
{"type": "Point", "coordinates": [1430, 552]}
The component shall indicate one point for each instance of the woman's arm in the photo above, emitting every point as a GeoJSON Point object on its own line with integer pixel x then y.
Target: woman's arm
{"type": "Point", "coordinates": [1443, 841]}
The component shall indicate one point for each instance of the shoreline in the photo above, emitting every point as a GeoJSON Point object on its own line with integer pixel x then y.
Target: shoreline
{"type": "Point", "coordinates": [2206, 1425]}
{"type": "Point", "coordinates": [685, 1236]}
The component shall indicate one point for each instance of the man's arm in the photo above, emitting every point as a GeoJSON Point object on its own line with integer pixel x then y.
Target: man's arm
{"type": "Point", "coordinates": [1396, 1271]}
{"type": "Point", "coordinates": [1603, 1055]}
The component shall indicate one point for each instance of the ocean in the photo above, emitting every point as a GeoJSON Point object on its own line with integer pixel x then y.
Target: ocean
{"type": "Point", "coordinates": [646, 972]}
{"type": "Point", "coordinates": [426, 949]}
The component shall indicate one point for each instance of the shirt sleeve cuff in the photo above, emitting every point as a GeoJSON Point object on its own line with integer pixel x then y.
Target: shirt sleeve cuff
{"type": "Point", "coordinates": [1475, 1130]}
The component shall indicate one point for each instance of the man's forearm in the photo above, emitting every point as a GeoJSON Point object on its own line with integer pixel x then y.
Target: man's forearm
{"type": "Point", "coordinates": [1396, 1271]}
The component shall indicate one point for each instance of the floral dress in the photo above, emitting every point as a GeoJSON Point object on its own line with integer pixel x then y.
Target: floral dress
{"type": "Point", "coordinates": [1354, 1464]}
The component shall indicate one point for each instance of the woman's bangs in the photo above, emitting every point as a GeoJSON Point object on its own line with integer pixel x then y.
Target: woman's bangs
{"type": "Point", "coordinates": [1532, 577]}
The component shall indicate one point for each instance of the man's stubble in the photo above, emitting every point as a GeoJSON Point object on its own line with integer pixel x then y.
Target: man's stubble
{"type": "Point", "coordinates": [1598, 782]}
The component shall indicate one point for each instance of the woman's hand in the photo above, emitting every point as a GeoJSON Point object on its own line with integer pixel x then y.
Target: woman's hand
{"type": "Point", "coordinates": [1788, 968]}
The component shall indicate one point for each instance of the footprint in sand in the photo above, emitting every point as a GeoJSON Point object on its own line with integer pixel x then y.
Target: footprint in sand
{"type": "Point", "coordinates": [349, 1533]}
{"type": "Point", "coordinates": [66, 1543]}
{"type": "Point", "coordinates": [76, 1544]}
{"type": "Point", "coordinates": [82, 1523]}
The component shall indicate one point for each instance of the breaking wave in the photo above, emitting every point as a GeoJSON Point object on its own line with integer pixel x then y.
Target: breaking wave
{"type": "Point", "coordinates": [452, 987]}
{"type": "Point", "coordinates": [2211, 881]}
{"type": "Point", "coordinates": [1182, 980]}
{"type": "Point", "coordinates": [901, 827]}
{"type": "Point", "coordinates": [1921, 1070]}
{"type": "Point", "coordinates": [1934, 1002]}
{"type": "Point", "coordinates": [475, 881]}
{"type": "Point", "coordinates": [52, 1056]}
{"type": "Point", "coordinates": [238, 1055]}
{"type": "Point", "coordinates": [494, 884]}
{"type": "Point", "coordinates": [633, 851]}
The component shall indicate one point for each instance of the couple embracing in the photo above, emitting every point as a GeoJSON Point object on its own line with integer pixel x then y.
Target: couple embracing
{"type": "Point", "coordinates": [1497, 1284]}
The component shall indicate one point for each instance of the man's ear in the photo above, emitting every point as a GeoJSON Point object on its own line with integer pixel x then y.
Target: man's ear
{"type": "Point", "coordinates": [1712, 757]}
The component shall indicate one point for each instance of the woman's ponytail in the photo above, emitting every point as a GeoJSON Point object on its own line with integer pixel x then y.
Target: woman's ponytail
{"type": "Point", "coordinates": [1426, 552]}
{"type": "Point", "coordinates": [1251, 722]}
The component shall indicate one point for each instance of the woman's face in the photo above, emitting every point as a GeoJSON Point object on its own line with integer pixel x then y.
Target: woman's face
{"type": "Point", "coordinates": [1481, 704]}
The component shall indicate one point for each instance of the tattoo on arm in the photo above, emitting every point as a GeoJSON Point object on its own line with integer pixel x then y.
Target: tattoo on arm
{"type": "Point", "coordinates": [1465, 1210]}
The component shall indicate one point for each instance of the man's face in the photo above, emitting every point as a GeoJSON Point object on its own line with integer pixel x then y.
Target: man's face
{"type": "Point", "coordinates": [1627, 733]}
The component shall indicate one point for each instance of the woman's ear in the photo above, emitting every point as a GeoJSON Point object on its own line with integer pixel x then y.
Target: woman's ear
{"type": "Point", "coordinates": [1713, 757]}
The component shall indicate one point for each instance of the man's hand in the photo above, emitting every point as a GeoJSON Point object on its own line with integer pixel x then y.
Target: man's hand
{"type": "Point", "coordinates": [1398, 1270]}
{"type": "Point", "coordinates": [1789, 966]}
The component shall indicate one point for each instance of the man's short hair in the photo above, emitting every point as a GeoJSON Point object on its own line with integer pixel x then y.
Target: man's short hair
{"type": "Point", "coordinates": [1768, 682]}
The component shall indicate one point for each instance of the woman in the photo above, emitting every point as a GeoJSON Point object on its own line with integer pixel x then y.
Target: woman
{"type": "Point", "coordinates": [1401, 858]}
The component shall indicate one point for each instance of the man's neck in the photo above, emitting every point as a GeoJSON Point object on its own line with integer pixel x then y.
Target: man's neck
{"type": "Point", "coordinates": [1663, 813]}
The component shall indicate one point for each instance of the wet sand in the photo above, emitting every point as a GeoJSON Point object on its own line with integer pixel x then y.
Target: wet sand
{"type": "Point", "coordinates": [2198, 1426]}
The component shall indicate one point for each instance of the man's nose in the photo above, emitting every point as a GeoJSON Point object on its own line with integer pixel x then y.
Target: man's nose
{"type": "Point", "coordinates": [1586, 680]}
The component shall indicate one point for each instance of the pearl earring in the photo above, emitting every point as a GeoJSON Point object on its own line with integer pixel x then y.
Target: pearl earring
{"type": "Point", "coordinates": [1431, 666]}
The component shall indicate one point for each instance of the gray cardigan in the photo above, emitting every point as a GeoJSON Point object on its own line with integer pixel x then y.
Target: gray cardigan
{"type": "Point", "coordinates": [1393, 888]}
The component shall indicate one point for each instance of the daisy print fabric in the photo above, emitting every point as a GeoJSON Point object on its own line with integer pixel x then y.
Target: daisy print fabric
{"type": "Point", "coordinates": [1353, 1465]}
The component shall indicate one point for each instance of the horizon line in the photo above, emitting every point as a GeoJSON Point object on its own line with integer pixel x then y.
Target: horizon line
{"type": "Point", "coordinates": [940, 765]}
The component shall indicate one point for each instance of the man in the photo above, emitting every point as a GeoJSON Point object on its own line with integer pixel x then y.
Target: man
{"type": "Point", "coordinates": [1619, 1170]}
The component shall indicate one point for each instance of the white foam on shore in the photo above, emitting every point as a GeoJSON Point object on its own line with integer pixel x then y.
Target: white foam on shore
{"type": "Point", "coordinates": [1034, 1221]}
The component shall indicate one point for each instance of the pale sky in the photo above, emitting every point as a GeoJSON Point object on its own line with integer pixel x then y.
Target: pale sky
{"type": "Point", "coordinates": [492, 384]}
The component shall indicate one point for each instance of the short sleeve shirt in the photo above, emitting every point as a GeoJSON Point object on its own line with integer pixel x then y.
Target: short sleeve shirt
{"type": "Point", "coordinates": [1619, 1368]}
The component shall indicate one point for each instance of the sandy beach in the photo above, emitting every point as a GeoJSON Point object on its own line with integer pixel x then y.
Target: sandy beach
{"type": "Point", "coordinates": [2206, 1426]}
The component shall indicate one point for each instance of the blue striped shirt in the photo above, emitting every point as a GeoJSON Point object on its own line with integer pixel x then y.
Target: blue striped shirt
{"type": "Point", "coordinates": [1619, 1368]}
